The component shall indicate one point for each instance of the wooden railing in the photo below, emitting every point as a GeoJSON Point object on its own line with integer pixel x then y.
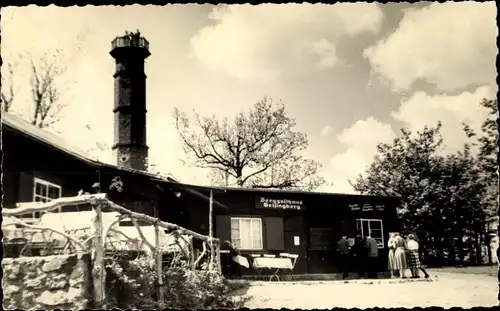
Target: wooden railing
{"type": "Point", "coordinates": [97, 238]}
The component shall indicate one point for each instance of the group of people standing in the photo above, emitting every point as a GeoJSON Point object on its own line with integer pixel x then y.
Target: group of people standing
{"type": "Point", "coordinates": [404, 254]}
{"type": "Point", "coordinates": [364, 252]}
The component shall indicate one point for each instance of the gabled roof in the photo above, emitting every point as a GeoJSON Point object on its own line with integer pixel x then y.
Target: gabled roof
{"type": "Point", "coordinates": [55, 141]}
{"type": "Point", "coordinates": [284, 191]}
{"type": "Point", "coordinates": [45, 137]}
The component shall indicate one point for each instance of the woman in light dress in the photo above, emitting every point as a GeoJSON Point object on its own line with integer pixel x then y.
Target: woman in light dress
{"type": "Point", "coordinates": [392, 250]}
{"type": "Point", "coordinates": [400, 260]}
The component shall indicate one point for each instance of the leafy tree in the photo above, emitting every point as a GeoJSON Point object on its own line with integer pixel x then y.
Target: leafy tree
{"type": "Point", "coordinates": [441, 194]}
{"type": "Point", "coordinates": [406, 169]}
{"type": "Point", "coordinates": [466, 212]}
{"type": "Point", "coordinates": [487, 142]}
{"type": "Point", "coordinates": [259, 149]}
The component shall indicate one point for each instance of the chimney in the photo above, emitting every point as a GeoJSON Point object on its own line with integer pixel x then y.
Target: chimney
{"type": "Point", "coordinates": [130, 148]}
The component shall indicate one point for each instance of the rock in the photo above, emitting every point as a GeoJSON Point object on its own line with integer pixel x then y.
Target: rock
{"type": "Point", "coordinates": [59, 281]}
{"type": "Point", "coordinates": [37, 282]}
{"type": "Point", "coordinates": [28, 298]}
{"type": "Point", "coordinates": [30, 272]}
{"type": "Point", "coordinates": [52, 298]}
{"type": "Point", "coordinates": [78, 271]}
{"type": "Point", "coordinates": [57, 263]}
{"type": "Point", "coordinates": [13, 272]}
{"type": "Point", "coordinates": [60, 297]}
{"type": "Point", "coordinates": [10, 290]}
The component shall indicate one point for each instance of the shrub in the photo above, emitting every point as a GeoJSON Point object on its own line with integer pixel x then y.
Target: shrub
{"type": "Point", "coordinates": [132, 284]}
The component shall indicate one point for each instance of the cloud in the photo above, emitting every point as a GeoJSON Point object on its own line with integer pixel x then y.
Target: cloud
{"type": "Point", "coordinates": [326, 131]}
{"type": "Point", "coordinates": [362, 139]}
{"type": "Point", "coordinates": [451, 45]}
{"type": "Point", "coordinates": [261, 42]}
{"type": "Point", "coordinates": [422, 109]}
{"type": "Point", "coordinates": [419, 110]}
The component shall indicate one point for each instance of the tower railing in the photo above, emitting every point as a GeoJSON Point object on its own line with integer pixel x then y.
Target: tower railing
{"type": "Point", "coordinates": [126, 41]}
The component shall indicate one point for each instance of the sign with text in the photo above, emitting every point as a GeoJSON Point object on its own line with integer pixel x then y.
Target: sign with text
{"type": "Point", "coordinates": [354, 207]}
{"type": "Point", "coordinates": [366, 207]}
{"type": "Point", "coordinates": [283, 204]}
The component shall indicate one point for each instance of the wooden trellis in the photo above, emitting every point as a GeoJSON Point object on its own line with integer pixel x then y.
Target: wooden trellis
{"type": "Point", "coordinates": [98, 239]}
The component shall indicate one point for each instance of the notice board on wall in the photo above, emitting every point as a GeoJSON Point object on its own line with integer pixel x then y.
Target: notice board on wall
{"type": "Point", "coordinates": [321, 238]}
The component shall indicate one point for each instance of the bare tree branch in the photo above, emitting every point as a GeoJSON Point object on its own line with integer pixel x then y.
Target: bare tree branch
{"type": "Point", "coordinates": [45, 92]}
{"type": "Point", "coordinates": [8, 98]}
{"type": "Point", "coordinates": [45, 85]}
{"type": "Point", "coordinates": [249, 147]}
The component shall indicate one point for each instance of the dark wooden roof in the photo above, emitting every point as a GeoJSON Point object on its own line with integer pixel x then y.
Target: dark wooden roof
{"type": "Point", "coordinates": [55, 141]}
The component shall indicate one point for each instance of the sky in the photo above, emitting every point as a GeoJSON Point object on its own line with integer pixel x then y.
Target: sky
{"type": "Point", "coordinates": [351, 74]}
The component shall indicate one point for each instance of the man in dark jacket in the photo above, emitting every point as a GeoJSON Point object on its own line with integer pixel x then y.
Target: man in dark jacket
{"type": "Point", "coordinates": [359, 252]}
{"type": "Point", "coordinates": [343, 248]}
{"type": "Point", "coordinates": [372, 254]}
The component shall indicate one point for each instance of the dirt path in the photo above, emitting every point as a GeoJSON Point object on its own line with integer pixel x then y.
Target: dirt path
{"type": "Point", "coordinates": [446, 290]}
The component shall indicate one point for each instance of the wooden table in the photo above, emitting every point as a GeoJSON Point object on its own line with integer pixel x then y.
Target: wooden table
{"type": "Point", "coordinates": [276, 265]}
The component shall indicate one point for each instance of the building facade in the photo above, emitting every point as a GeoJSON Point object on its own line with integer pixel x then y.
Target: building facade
{"type": "Point", "coordinates": [40, 166]}
{"type": "Point", "coordinates": [305, 223]}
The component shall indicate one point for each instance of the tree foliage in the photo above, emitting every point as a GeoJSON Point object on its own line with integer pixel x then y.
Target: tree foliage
{"type": "Point", "coordinates": [443, 196]}
{"type": "Point", "coordinates": [258, 149]}
{"type": "Point", "coordinates": [487, 142]}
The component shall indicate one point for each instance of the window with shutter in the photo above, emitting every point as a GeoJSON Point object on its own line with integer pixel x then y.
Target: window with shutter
{"type": "Point", "coordinates": [246, 233]}
{"type": "Point", "coordinates": [223, 228]}
{"type": "Point", "coordinates": [25, 187]}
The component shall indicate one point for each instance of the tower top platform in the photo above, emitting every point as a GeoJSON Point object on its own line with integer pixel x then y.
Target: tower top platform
{"type": "Point", "coordinates": [130, 40]}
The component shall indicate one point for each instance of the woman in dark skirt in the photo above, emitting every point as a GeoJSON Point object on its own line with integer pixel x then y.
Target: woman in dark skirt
{"type": "Point", "coordinates": [413, 256]}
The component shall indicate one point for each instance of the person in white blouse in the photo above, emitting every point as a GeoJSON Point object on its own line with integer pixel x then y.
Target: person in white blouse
{"type": "Point", "coordinates": [413, 257]}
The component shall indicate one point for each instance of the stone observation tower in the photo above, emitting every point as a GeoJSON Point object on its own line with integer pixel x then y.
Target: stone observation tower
{"type": "Point", "coordinates": [130, 148]}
